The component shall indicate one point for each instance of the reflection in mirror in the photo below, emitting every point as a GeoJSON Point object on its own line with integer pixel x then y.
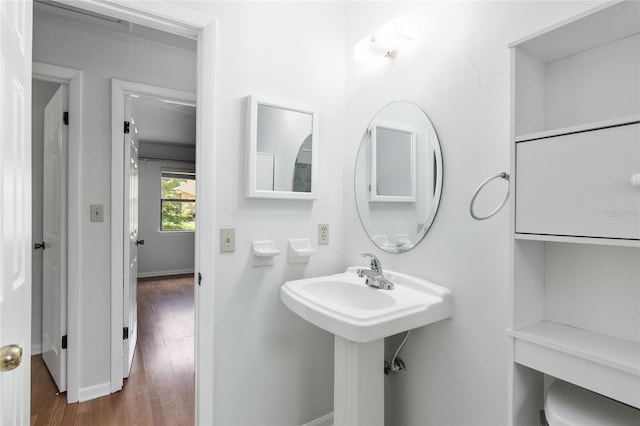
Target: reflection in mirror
{"type": "Point", "coordinates": [398, 177]}
{"type": "Point", "coordinates": [265, 170]}
{"type": "Point", "coordinates": [302, 167]}
{"type": "Point", "coordinates": [393, 163]}
{"type": "Point", "coordinates": [281, 157]}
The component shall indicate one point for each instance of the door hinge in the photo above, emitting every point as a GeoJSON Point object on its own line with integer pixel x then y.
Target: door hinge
{"type": "Point", "coordinates": [64, 342]}
{"type": "Point", "coordinates": [125, 333]}
{"type": "Point", "coordinates": [65, 118]}
{"type": "Point", "coordinates": [127, 126]}
{"type": "Point", "coordinates": [199, 278]}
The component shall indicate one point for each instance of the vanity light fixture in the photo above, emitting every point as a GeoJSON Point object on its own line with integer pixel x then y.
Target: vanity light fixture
{"type": "Point", "coordinates": [384, 42]}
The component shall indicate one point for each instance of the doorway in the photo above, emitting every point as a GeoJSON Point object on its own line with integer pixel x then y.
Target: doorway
{"type": "Point", "coordinates": [83, 218]}
{"type": "Point", "coordinates": [47, 79]}
{"type": "Point", "coordinates": [161, 16]}
{"type": "Point", "coordinates": [139, 110]}
{"type": "Point", "coordinates": [49, 226]}
{"type": "Point", "coordinates": [42, 91]}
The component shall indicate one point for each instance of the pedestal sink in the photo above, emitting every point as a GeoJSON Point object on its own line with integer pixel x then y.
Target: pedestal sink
{"type": "Point", "coordinates": [361, 317]}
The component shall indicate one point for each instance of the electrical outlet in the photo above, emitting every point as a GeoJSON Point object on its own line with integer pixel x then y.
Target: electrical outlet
{"type": "Point", "coordinates": [323, 233]}
{"type": "Point", "coordinates": [227, 239]}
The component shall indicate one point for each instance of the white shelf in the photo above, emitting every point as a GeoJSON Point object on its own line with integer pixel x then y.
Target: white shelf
{"type": "Point", "coordinates": [579, 240]}
{"type": "Point", "coordinates": [618, 121]}
{"type": "Point", "coordinates": [603, 364]}
{"type": "Point", "coordinates": [601, 25]}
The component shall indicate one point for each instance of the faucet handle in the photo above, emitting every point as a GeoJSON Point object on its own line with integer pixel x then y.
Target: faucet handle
{"type": "Point", "coordinates": [376, 265]}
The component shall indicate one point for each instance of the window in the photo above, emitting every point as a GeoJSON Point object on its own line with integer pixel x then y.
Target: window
{"type": "Point", "coordinates": [178, 202]}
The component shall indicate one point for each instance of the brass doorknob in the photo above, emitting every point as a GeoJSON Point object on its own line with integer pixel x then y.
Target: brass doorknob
{"type": "Point", "coordinates": [10, 357]}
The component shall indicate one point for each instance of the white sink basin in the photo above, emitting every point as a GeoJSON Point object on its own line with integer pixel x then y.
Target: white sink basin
{"type": "Point", "coordinates": [345, 306]}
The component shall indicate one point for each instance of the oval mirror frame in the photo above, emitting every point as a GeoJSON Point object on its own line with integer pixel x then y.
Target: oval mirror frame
{"type": "Point", "coordinates": [397, 216]}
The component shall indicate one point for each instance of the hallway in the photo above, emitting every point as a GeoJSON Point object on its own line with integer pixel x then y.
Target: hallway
{"type": "Point", "coordinates": [160, 389]}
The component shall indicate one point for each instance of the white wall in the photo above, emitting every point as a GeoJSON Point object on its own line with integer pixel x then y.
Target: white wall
{"type": "Point", "coordinates": [594, 288]}
{"type": "Point", "coordinates": [271, 367]}
{"type": "Point", "coordinates": [568, 103]}
{"type": "Point", "coordinates": [167, 151]}
{"type": "Point", "coordinates": [163, 253]}
{"type": "Point", "coordinates": [41, 94]}
{"type": "Point", "coordinates": [457, 70]}
{"type": "Point", "coordinates": [103, 54]}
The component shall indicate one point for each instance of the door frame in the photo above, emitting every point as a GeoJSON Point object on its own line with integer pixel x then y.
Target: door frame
{"type": "Point", "coordinates": [119, 229]}
{"type": "Point", "coordinates": [172, 18]}
{"type": "Point", "coordinates": [73, 79]}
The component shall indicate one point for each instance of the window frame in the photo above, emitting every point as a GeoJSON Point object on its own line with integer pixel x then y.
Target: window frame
{"type": "Point", "coordinates": [180, 174]}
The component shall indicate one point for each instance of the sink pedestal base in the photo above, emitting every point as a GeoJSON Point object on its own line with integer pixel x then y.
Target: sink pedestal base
{"type": "Point", "coordinates": [358, 390]}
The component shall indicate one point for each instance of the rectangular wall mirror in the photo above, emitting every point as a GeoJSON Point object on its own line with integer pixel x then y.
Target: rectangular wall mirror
{"type": "Point", "coordinates": [282, 150]}
{"type": "Point", "coordinates": [393, 164]}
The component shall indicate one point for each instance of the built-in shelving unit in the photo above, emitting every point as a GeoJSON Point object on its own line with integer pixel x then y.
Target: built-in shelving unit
{"type": "Point", "coordinates": [602, 363]}
{"type": "Point", "coordinates": [575, 143]}
{"type": "Point", "coordinates": [587, 127]}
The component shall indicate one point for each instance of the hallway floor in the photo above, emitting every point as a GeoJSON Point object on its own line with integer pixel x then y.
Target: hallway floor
{"type": "Point", "coordinates": [160, 389]}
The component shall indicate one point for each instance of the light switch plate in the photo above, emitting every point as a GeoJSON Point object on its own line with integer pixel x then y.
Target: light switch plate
{"type": "Point", "coordinates": [227, 239]}
{"type": "Point", "coordinates": [97, 212]}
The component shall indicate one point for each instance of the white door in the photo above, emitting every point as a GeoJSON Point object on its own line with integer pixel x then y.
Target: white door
{"type": "Point", "coordinates": [130, 308]}
{"type": "Point", "coordinates": [54, 234]}
{"type": "Point", "coordinates": [15, 211]}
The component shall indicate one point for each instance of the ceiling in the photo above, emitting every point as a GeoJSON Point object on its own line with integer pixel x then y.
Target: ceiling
{"type": "Point", "coordinates": [164, 121]}
{"type": "Point", "coordinates": [114, 24]}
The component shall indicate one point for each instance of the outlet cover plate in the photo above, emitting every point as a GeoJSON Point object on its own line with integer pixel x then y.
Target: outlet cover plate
{"type": "Point", "coordinates": [323, 233]}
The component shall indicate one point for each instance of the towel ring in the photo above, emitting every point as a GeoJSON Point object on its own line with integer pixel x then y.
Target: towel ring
{"type": "Point", "coordinates": [502, 175]}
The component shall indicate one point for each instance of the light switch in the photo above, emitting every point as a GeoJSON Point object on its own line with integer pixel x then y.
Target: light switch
{"type": "Point", "coordinates": [227, 239]}
{"type": "Point", "coordinates": [97, 212]}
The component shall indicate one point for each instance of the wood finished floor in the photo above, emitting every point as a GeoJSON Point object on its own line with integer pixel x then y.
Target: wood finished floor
{"type": "Point", "coordinates": [160, 388]}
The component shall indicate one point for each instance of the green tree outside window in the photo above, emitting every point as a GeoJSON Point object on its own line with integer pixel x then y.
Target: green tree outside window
{"type": "Point", "coordinates": [178, 202]}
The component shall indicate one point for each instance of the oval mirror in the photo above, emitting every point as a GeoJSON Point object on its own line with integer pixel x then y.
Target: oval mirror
{"type": "Point", "coordinates": [398, 177]}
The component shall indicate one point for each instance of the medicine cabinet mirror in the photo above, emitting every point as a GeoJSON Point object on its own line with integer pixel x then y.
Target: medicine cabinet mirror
{"type": "Point", "coordinates": [282, 150]}
{"type": "Point", "coordinates": [398, 177]}
{"type": "Point", "coordinates": [393, 163]}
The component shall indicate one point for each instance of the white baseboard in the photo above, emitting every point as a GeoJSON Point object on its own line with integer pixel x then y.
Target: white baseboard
{"type": "Point", "coordinates": [36, 348]}
{"type": "Point", "coordinates": [326, 420]}
{"type": "Point", "coordinates": [165, 273]}
{"type": "Point", "coordinates": [95, 391]}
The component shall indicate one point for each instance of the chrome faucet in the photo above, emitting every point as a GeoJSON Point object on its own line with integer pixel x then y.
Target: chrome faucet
{"type": "Point", "coordinates": [374, 276]}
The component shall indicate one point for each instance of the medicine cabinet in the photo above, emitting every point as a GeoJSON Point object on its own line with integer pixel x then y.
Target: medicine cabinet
{"type": "Point", "coordinates": [282, 150]}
